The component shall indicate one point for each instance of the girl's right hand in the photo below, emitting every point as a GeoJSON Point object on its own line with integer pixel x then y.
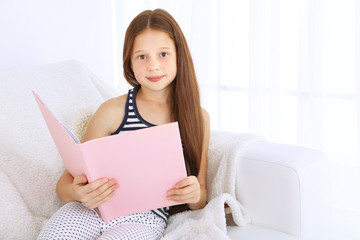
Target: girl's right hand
{"type": "Point", "coordinates": [93, 194]}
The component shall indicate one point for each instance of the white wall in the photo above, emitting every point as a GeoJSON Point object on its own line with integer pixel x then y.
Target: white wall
{"type": "Point", "coordinates": [45, 31]}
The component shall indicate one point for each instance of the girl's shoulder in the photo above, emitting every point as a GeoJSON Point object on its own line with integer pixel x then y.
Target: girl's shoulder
{"type": "Point", "coordinates": [114, 108]}
{"type": "Point", "coordinates": [114, 104]}
{"type": "Point", "coordinates": [107, 117]}
{"type": "Point", "coordinates": [206, 116]}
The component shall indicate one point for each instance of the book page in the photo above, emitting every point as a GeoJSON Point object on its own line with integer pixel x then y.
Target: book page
{"type": "Point", "coordinates": [70, 133]}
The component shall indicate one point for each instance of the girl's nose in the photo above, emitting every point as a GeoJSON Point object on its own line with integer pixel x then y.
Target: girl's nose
{"type": "Point", "coordinates": [153, 65]}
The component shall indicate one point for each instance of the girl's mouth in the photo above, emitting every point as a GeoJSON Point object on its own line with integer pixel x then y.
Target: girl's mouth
{"type": "Point", "coordinates": [155, 78]}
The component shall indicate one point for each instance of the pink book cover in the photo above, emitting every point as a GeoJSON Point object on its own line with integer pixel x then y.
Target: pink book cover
{"type": "Point", "coordinates": [146, 163]}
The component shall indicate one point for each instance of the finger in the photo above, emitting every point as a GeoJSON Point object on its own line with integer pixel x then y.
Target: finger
{"type": "Point", "coordinates": [92, 198]}
{"type": "Point", "coordinates": [96, 184]}
{"type": "Point", "coordinates": [185, 182]}
{"type": "Point", "coordinates": [182, 191]}
{"type": "Point", "coordinates": [184, 198]}
{"type": "Point", "coordinates": [101, 201]}
{"type": "Point", "coordinates": [80, 180]}
{"type": "Point", "coordinates": [103, 196]}
{"type": "Point", "coordinates": [103, 188]}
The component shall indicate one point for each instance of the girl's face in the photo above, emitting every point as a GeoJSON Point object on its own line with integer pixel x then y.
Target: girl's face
{"type": "Point", "coordinates": [153, 59]}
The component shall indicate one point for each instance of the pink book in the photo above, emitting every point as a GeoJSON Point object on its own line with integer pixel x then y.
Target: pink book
{"type": "Point", "coordinates": [146, 163]}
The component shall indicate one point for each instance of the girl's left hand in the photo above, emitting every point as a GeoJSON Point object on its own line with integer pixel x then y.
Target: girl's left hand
{"type": "Point", "coordinates": [186, 191]}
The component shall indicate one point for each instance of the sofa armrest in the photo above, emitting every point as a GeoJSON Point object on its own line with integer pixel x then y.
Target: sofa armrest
{"type": "Point", "coordinates": [285, 188]}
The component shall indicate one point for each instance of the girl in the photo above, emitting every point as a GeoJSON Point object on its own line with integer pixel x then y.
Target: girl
{"type": "Point", "coordinates": [158, 64]}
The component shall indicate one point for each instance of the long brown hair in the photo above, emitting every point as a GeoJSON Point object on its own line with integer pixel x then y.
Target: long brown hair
{"type": "Point", "coordinates": [186, 96]}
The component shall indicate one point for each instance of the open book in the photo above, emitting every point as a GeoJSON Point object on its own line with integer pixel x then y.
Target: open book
{"type": "Point", "coordinates": [146, 163]}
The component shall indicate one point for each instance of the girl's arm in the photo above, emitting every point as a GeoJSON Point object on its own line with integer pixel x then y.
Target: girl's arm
{"type": "Point", "coordinates": [105, 121]}
{"type": "Point", "coordinates": [192, 190]}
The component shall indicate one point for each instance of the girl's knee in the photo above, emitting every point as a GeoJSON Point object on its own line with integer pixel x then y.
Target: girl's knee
{"type": "Point", "coordinates": [70, 220]}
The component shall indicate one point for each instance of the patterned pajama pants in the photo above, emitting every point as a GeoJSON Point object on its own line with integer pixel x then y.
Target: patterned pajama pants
{"type": "Point", "coordinates": [74, 221]}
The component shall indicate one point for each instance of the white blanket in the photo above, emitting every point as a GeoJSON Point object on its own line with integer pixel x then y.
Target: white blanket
{"type": "Point", "coordinates": [225, 151]}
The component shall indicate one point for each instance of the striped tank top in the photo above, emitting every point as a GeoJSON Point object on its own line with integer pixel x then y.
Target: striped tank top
{"type": "Point", "coordinates": [133, 121]}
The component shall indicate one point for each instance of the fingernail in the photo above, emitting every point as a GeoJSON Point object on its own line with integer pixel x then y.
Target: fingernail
{"type": "Point", "coordinates": [105, 180]}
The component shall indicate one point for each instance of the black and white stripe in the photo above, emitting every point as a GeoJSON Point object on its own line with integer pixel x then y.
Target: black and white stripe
{"type": "Point", "coordinates": [133, 121]}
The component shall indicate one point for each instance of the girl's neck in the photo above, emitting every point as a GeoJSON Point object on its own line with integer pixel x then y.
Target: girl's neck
{"type": "Point", "coordinates": [155, 106]}
{"type": "Point", "coordinates": [160, 97]}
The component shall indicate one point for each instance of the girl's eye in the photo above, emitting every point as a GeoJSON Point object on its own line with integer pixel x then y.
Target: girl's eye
{"type": "Point", "coordinates": [142, 57]}
{"type": "Point", "coordinates": [163, 54]}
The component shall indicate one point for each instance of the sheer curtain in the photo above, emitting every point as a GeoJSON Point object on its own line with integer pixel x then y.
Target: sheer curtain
{"type": "Point", "coordinates": [287, 70]}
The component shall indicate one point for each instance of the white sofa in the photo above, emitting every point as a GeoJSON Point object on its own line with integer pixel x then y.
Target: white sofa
{"type": "Point", "coordinates": [284, 188]}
